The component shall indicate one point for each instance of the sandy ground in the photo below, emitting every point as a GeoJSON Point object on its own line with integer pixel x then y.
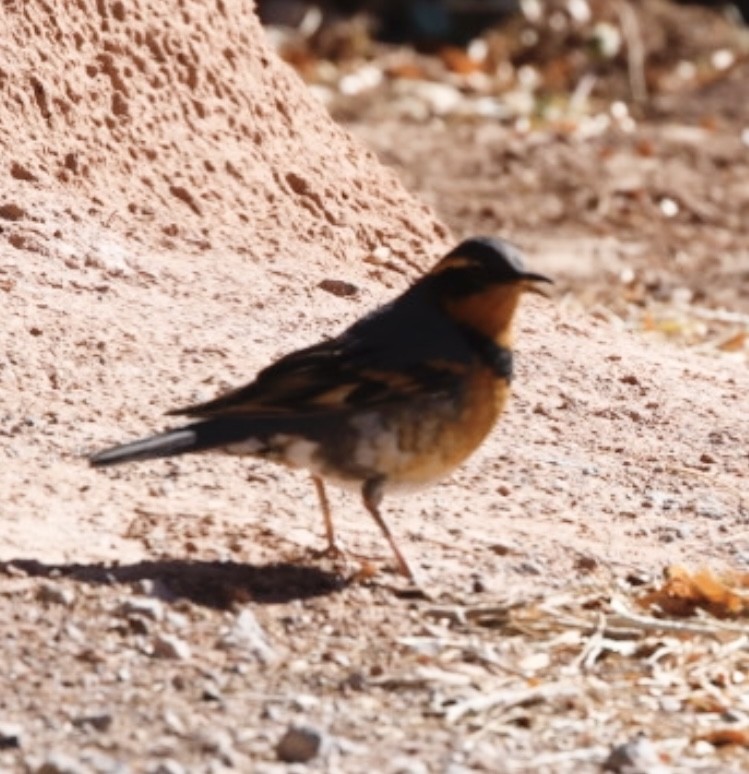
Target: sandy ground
{"type": "Point", "coordinates": [165, 233]}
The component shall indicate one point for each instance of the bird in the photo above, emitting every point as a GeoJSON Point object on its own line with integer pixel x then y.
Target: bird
{"type": "Point", "coordinates": [396, 401]}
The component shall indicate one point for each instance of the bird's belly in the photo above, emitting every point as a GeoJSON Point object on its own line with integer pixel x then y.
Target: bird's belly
{"type": "Point", "coordinates": [421, 446]}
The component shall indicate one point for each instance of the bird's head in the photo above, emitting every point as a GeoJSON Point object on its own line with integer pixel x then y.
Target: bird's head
{"type": "Point", "coordinates": [480, 282]}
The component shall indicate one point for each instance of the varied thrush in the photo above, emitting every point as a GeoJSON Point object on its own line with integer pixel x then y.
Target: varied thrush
{"type": "Point", "coordinates": [399, 399]}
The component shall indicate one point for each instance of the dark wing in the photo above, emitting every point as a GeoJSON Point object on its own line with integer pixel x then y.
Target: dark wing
{"type": "Point", "coordinates": [403, 350]}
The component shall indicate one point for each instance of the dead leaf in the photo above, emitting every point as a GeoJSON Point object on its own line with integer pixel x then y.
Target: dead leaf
{"type": "Point", "coordinates": [735, 342]}
{"type": "Point", "coordinates": [721, 737]}
{"type": "Point", "coordinates": [457, 61]}
{"type": "Point", "coordinates": [683, 593]}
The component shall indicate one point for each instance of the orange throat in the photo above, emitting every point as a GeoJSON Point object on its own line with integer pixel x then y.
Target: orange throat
{"type": "Point", "coordinates": [488, 312]}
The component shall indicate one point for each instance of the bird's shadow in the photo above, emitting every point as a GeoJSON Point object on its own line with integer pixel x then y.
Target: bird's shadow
{"type": "Point", "coordinates": [210, 584]}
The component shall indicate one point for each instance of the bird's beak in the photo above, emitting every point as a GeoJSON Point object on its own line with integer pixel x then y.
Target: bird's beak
{"type": "Point", "coordinates": [529, 286]}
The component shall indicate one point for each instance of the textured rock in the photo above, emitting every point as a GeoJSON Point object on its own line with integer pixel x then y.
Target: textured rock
{"type": "Point", "coordinates": [174, 121]}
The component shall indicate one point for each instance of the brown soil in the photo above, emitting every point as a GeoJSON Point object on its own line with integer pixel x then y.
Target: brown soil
{"type": "Point", "coordinates": [174, 202]}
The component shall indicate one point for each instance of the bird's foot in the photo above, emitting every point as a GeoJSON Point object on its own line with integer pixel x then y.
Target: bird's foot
{"type": "Point", "coordinates": [345, 562]}
{"type": "Point", "coordinates": [368, 567]}
{"type": "Point", "coordinates": [334, 550]}
{"type": "Point", "coordinates": [406, 584]}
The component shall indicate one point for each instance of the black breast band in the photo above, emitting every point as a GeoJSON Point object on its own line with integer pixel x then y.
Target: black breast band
{"type": "Point", "coordinates": [491, 354]}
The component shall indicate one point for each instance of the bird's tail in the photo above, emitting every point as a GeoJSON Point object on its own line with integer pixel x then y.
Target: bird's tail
{"type": "Point", "coordinates": [200, 436]}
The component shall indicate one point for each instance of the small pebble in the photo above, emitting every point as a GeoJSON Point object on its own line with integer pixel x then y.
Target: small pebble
{"type": "Point", "coordinates": [177, 620]}
{"type": "Point", "coordinates": [637, 756]}
{"type": "Point", "coordinates": [168, 646]}
{"type": "Point", "coordinates": [53, 594]}
{"type": "Point", "coordinates": [154, 588]}
{"type": "Point", "coordinates": [304, 702]}
{"type": "Point", "coordinates": [174, 723]}
{"type": "Point", "coordinates": [528, 568]}
{"type": "Point", "coordinates": [217, 742]}
{"type": "Point", "coordinates": [75, 633]}
{"type": "Point", "coordinates": [703, 748]}
{"type": "Point", "coordinates": [586, 563]}
{"type": "Point", "coordinates": [99, 722]}
{"type": "Point", "coordinates": [299, 744]}
{"type": "Point", "coordinates": [670, 704]}
{"type": "Point", "coordinates": [10, 736]}
{"type": "Point", "coordinates": [211, 692]}
{"type": "Point", "coordinates": [246, 635]}
{"type": "Point", "coordinates": [147, 607]}
{"type": "Point", "coordinates": [93, 761]}
{"type": "Point", "coordinates": [338, 288]}
{"type": "Point", "coordinates": [167, 766]}
{"type": "Point", "coordinates": [404, 765]}
{"type": "Point", "coordinates": [58, 763]}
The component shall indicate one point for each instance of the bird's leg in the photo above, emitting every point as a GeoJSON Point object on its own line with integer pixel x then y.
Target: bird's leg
{"type": "Point", "coordinates": [372, 493]}
{"type": "Point", "coordinates": [333, 548]}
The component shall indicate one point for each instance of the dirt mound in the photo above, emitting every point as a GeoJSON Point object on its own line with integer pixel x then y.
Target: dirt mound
{"type": "Point", "coordinates": [175, 127]}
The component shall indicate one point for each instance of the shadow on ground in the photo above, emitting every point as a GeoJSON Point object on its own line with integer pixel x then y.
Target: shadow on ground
{"type": "Point", "coordinates": [211, 584]}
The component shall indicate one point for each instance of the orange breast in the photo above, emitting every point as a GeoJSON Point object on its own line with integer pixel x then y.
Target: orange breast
{"type": "Point", "coordinates": [444, 443]}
